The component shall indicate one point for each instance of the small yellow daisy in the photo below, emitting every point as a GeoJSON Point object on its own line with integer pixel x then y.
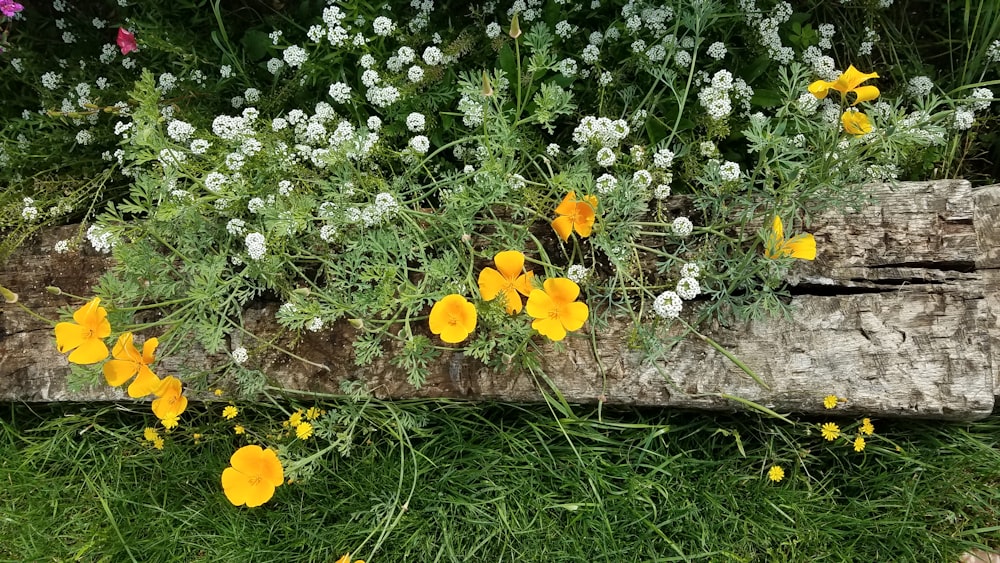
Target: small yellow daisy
{"type": "Point", "coordinates": [230, 412]}
{"type": "Point", "coordinates": [866, 427]}
{"type": "Point", "coordinates": [150, 434]}
{"type": "Point", "coordinates": [776, 473]}
{"type": "Point", "coordinates": [170, 423]}
{"type": "Point", "coordinates": [218, 392]}
{"type": "Point", "coordinates": [295, 419]}
{"type": "Point", "coordinates": [238, 429]}
{"type": "Point", "coordinates": [158, 443]}
{"type": "Point", "coordinates": [859, 444]}
{"type": "Point", "coordinates": [313, 413]}
{"type": "Point", "coordinates": [830, 431]}
{"type": "Point", "coordinates": [304, 430]}
{"type": "Point", "coordinates": [830, 401]}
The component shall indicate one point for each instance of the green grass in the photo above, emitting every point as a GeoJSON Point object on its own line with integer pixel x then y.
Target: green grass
{"type": "Point", "coordinates": [504, 483]}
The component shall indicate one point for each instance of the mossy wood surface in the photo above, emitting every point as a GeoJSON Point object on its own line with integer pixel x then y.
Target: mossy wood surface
{"type": "Point", "coordinates": [898, 314]}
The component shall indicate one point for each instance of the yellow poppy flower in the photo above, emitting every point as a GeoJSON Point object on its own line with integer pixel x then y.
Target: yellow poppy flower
{"type": "Point", "coordinates": [453, 317]}
{"type": "Point", "coordinates": [855, 122]}
{"type": "Point", "coordinates": [849, 81]}
{"type": "Point", "coordinates": [85, 337]}
{"type": "Point", "coordinates": [506, 279]}
{"type": "Point", "coordinates": [347, 559]}
{"type": "Point", "coordinates": [170, 402]}
{"type": "Point", "coordinates": [252, 477]}
{"type": "Point", "coordinates": [574, 214]}
{"type": "Point", "coordinates": [555, 308]}
{"type": "Point", "coordinates": [128, 362]}
{"type": "Point", "coordinates": [800, 246]}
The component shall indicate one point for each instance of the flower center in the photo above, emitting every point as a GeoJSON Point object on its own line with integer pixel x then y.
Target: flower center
{"type": "Point", "coordinates": [255, 480]}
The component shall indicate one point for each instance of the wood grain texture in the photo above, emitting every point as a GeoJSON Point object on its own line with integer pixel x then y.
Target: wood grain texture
{"type": "Point", "coordinates": [898, 314]}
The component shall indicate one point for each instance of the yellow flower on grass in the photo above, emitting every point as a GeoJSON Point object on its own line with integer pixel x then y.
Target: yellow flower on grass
{"type": "Point", "coordinates": [312, 413]}
{"type": "Point", "coordinates": [296, 419]}
{"type": "Point", "coordinates": [252, 477]}
{"type": "Point", "coordinates": [169, 402]}
{"type": "Point", "coordinates": [555, 309]}
{"type": "Point", "coordinates": [849, 81]}
{"type": "Point", "coordinates": [85, 336]}
{"type": "Point", "coordinates": [129, 362]}
{"type": "Point", "coordinates": [830, 401]}
{"type": "Point", "coordinates": [150, 434]}
{"type": "Point", "coordinates": [170, 423]}
{"type": "Point", "coordinates": [866, 427]}
{"type": "Point", "coordinates": [158, 443]}
{"type": "Point", "coordinates": [217, 392]}
{"type": "Point", "coordinates": [304, 431]}
{"type": "Point", "coordinates": [507, 279]}
{"type": "Point", "coordinates": [453, 318]}
{"type": "Point", "coordinates": [575, 215]}
{"type": "Point", "coordinates": [230, 412]}
{"type": "Point", "coordinates": [239, 430]}
{"type": "Point", "coordinates": [859, 444]}
{"type": "Point", "coordinates": [776, 473]}
{"type": "Point", "coordinates": [830, 431]}
{"type": "Point", "coordinates": [347, 559]}
{"type": "Point", "coordinates": [855, 122]}
{"type": "Point", "coordinates": [800, 246]}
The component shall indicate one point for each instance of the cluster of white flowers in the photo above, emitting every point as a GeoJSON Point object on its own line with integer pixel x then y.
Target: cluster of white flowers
{"type": "Point", "coordinates": [51, 80]}
{"type": "Point", "coordinates": [981, 99]}
{"type": "Point", "coordinates": [61, 247]}
{"type": "Point", "coordinates": [606, 184]}
{"type": "Point", "coordinates": [274, 65]}
{"type": "Point", "coordinates": [315, 324]}
{"type": "Point", "coordinates": [871, 37]}
{"type": "Point", "coordinates": [688, 288]}
{"type": "Point", "coordinates": [964, 118]}
{"type": "Point", "coordinates": [663, 158]}
{"type": "Point", "coordinates": [432, 56]}
{"type": "Point", "coordinates": [993, 52]}
{"type": "Point", "coordinates": [420, 144]}
{"type": "Point", "coordinates": [256, 245]}
{"type": "Point", "coordinates": [493, 30]}
{"type": "Point", "coordinates": [682, 226]}
{"type": "Point", "coordinates": [767, 28]}
{"type": "Point", "coordinates": [29, 212]}
{"type": "Point", "coordinates": [690, 270]}
{"type": "Point", "coordinates": [100, 239]}
{"type": "Point", "coordinates": [415, 74]}
{"type": "Point", "coordinates": [180, 131]}
{"type": "Point", "coordinates": [601, 131]}
{"type": "Point", "coordinates": [255, 205]}
{"type": "Point", "coordinates": [214, 181]}
{"type": "Point", "coordinates": [826, 33]}
{"type": "Point", "coordinates": [729, 171]}
{"type": "Point", "coordinates": [642, 178]}
{"type": "Point", "coordinates": [919, 86]}
{"type": "Point", "coordinates": [383, 26]}
{"type": "Point", "coordinates": [167, 82]}
{"type": "Point", "coordinates": [415, 122]}
{"type": "Point", "coordinates": [232, 128]}
{"type": "Point", "coordinates": [567, 67]}
{"type": "Point", "coordinates": [472, 110]}
{"type": "Point", "coordinates": [662, 191]}
{"type": "Point", "coordinates": [294, 56]}
{"type": "Point", "coordinates": [236, 227]}
{"type": "Point", "coordinates": [715, 97]}
{"type": "Point", "coordinates": [717, 50]}
{"type": "Point", "coordinates": [384, 208]}
{"type": "Point", "coordinates": [591, 54]}
{"type": "Point", "coordinates": [84, 137]}
{"type": "Point", "coordinates": [170, 157]}
{"type": "Point", "coordinates": [606, 157]}
{"type": "Point", "coordinates": [240, 355]}
{"type": "Point", "coordinates": [382, 96]}
{"type": "Point", "coordinates": [668, 305]}
{"type": "Point", "coordinates": [577, 273]}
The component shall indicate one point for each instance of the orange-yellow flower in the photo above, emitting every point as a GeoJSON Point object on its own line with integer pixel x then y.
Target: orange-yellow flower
{"type": "Point", "coordinates": [128, 362]}
{"type": "Point", "coordinates": [508, 280]}
{"type": "Point", "coordinates": [855, 122]}
{"type": "Point", "coordinates": [170, 402]}
{"type": "Point", "coordinates": [85, 337]}
{"type": "Point", "coordinates": [800, 246]}
{"type": "Point", "coordinates": [254, 474]}
{"type": "Point", "coordinates": [574, 214]}
{"type": "Point", "coordinates": [849, 81]}
{"type": "Point", "coordinates": [454, 318]}
{"type": "Point", "coordinates": [347, 559]}
{"type": "Point", "coordinates": [556, 309]}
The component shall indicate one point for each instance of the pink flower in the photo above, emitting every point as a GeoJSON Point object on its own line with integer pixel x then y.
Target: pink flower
{"type": "Point", "coordinates": [9, 7]}
{"type": "Point", "coordinates": [126, 40]}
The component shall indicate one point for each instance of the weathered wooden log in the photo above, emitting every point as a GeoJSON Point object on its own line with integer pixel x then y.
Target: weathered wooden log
{"type": "Point", "coordinates": [898, 314]}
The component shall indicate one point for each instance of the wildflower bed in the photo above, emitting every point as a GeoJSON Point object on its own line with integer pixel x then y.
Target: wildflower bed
{"type": "Point", "coordinates": [642, 203]}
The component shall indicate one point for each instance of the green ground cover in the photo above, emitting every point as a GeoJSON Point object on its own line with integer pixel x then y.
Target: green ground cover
{"type": "Point", "coordinates": [462, 482]}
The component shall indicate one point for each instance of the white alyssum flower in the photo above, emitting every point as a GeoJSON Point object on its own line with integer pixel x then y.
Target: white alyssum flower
{"type": "Point", "coordinates": [642, 178]}
{"type": "Point", "coordinates": [274, 65]}
{"type": "Point", "coordinates": [256, 245]}
{"type": "Point", "coordinates": [214, 181]}
{"type": "Point", "coordinates": [374, 123]}
{"type": "Point", "coordinates": [663, 158]}
{"type": "Point", "coordinates": [577, 273]}
{"type": "Point", "coordinates": [919, 86]}
{"type": "Point", "coordinates": [383, 26]}
{"type": "Point", "coordinates": [690, 270]}
{"type": "Point", "coordinates": [294, 56]}
{"type": "Point", "coordinates": [51, 80]}
{"type": "Point", "coordinates": [415, 74]}
{"type": "Point", "coordinates": [370, 78]}
{"type": "Point", "coordinates": [964, 118]}
{"type": "Point", "coordinates": [606, 184]}
{"type": "Point", "coordinates": [61, 247]}
{"type": "Point", "coordinates": [661, 191]}
{"type": "Point", "coordinates": [717, 50]}
{"type": "Point", "coordinates": [415, 122]}
{"type": "Point", "coordinates": [180, 131]}
{"type": "Point", "coordinates": [553, 149]}
{"type": "Point", "coordinates": [591, 54]}
{"type": "Point", "coordinates": [101, 239]}
{"type": "Point", "coordinates": [993, 52]}
{"type": "Point", "coordinates": [315, 324]}
{"type": "Point", "coordinates": [688, 288]}
{"type": "Point", "coordinates": [668, 305]}
{"type": "Point", "coordinates": [420, 144]}
{"type": "Point", "coordinates": [240, 355]}
{"type": "Point", "coordinates": [606, 157]}
{"type": "Point", "coordinates": [255, 205]}
{"type": "Point", "coordinates": [84, 137]}
{"type": "Point", "coordinates": [493, 30]}
{"type": "Point", "coordinates": [981, 99]}
{"type": "Point", "coordinates": [432, 56]}
{"type": "Point", "coordinates": [729, 171]}
{"type": "Point", "coordinates": [682, 226]}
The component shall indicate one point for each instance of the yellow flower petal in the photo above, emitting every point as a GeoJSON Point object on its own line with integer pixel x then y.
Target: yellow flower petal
{"type": "Point", "coordinates": [778, 228]}
{"type": "Point", "coordinates": [510, 263]}
{"type": "Point", "coordinates": [851, 79]}
{"type": "Point", "coordinates": [513, 305]}
{"type": "Point", "coordinates": [69, 336]}
{"type": "Point", "coordinates": [820, 88]}
{"type": "Point", "coordinates": [574, 316]}
{"type": "Point", "coordinates": [561, 290]}
{"type": "Point", "coordinates": [568, 205]}
{"type": "Point", "coordinates": [855, 123]}
{"type": "Point", "coordinates": [550, 328]}
{"type": "Point", "coordinates": [539, 304]}
{"type": "Point", "coordinates": [117, 372]}
{"type": "Point", "coordinates": [563, 226]}
{"type": "Point", "coordinates": [523, 283]}
{"type": "Point", "coordinates": [145, 383]}
{"type": "Point", "coordinates": [491, 283]}
{"type": "Point", "coordinates": [865, 94]}
{"type": "Point", "coordinates": [90, 351]}
{"type": "Point", "coordinates": [802, 246]}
